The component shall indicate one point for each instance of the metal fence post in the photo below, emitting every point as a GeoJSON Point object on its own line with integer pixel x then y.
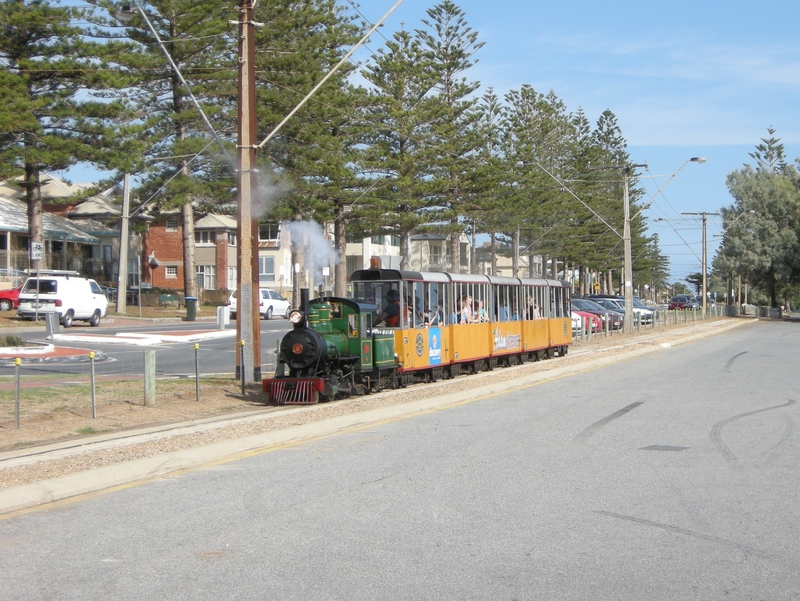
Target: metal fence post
{"type": "Point", "coordinates": [241, 343]}
{"type": "Point", "coordinates": [94, 403]}
{"type": "Point", "coordinates": [17, 363]}
{"type": "Point", "coordinates": [150, 378]}
{"type": "Point", "coordinates": [196, 373]}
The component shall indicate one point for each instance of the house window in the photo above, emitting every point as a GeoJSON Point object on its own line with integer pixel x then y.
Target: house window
{"type": "Point", "coordinates": [395, 241]}
{"type": "Point", "coordinates": [266, 269]}
{"type": "Point", "coordinates": [231, 278]}
{"type": "Point", "coordinates": [436, 254]}
{"type": "Point", "coordinates": [207, 277]}
{"type": "Point", "coordinates": [205, 237]}
{"type": "Point", "coordinates": [171, 271]}
{"type": "Point", "coordinates": [172, 224]}
{"type": "Point", "coordinates": [379, 239]}
{"type": "Point", "coordinates": [269, 231]}
{"type": "Point", "coordinates": [231, 239]}
{"type": "Point", "coordinates": [464, 255]}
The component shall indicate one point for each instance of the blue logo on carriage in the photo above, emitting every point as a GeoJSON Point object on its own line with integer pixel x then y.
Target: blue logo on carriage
{"type": "Point", "coordinates": [435, 346]}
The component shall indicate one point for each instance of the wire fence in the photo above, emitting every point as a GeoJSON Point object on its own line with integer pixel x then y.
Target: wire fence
{"type": "Point", "coordinates": [33, 390]}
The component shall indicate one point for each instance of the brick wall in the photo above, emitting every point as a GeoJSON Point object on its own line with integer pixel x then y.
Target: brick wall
{"type": "Point", "coordinates": [168, 249]}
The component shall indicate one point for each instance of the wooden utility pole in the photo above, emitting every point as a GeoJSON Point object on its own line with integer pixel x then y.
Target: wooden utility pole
{"type": "Point", "coordinates": [247, 315]}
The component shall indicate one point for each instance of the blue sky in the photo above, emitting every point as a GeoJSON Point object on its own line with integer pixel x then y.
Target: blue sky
{"type": "Point", "coordinates": [684, 79]}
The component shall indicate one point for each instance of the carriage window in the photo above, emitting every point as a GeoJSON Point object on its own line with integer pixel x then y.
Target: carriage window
{"type": "Point", "coordinates": [433, 305]}
{"type": "Point", "coordinates": [416, 302]}
{"type": "Point", "coordinates": [502, 303]}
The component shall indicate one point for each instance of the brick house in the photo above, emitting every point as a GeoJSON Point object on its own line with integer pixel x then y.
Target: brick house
{"type": "Point", "coordinates": [214, 256]}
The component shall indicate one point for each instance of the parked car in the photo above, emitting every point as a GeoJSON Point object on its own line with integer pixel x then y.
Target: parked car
{"type": "Point", "coordinates": [68, 294]}
{"type": "Point", "coordinates": [642, 313]}
{"type": "Point", "coordinates": [9, 299]}
{"type": "Point", "coordinates": [683, 301]}
{"type": "Point", "coordinates": [270, 303]}
{"type": "Point", "coordinates": [581, 317]}
{"type": "Point", "coordinates": [613, 318]}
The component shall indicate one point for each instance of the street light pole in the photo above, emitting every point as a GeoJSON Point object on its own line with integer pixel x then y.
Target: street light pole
{"type": "Point", "coordinates": [703, 258]}
{"type": "Point", "coordinates": [122, 271]}
{"type": "Point", "coordinates": [626, 239]}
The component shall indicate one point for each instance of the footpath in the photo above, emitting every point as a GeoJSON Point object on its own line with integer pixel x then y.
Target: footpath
{"type": "Point", "coordinates": [65, 471]}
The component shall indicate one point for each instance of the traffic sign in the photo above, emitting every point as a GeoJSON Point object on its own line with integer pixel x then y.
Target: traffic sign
{"type": "Point", "coordinates": [37, 251]}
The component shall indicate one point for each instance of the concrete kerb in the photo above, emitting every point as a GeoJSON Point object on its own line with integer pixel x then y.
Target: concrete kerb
{"type": "Point", "coordinates": [113, 476]}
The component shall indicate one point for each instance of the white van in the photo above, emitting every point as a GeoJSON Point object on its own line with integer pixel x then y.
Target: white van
{"type": "Point", "coordinates": [67, 293]}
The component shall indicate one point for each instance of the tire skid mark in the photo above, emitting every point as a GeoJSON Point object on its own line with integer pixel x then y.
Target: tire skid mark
{"type": "Point", "coordinates": [685, 531]}
{"type": "Point", "coordinates": [716, 431]}
{"type": "Point", "coordinates": [588, 432]}
{"type": "Point", "coordinates": [732, 359]}
{"type": "Point", "coordinates": [787, 434]}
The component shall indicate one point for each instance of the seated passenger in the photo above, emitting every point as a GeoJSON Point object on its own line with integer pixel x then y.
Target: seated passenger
{"type": "Point", "coordinates": [391, 313]}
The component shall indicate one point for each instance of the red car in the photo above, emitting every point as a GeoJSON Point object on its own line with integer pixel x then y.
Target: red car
{"type": "Point", "coordinates": [683, 301]}
{"type": "Point", "coordinates": [9, 299]}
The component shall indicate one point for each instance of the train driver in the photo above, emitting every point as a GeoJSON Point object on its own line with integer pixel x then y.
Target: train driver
{"type": "Point", "coordinates": [391, 313]}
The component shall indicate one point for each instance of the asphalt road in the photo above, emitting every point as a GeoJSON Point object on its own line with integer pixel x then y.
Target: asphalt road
{"type": "Point", "coordinates": [215, 356]}
{"type": "Point", "coordinates": [670, 476]}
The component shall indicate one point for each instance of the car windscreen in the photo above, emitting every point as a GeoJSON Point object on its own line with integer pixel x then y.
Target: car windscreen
{"type": "Point", "coordinates": [587, 305]}
{"type": "Point", "coordinates": [45, 286]}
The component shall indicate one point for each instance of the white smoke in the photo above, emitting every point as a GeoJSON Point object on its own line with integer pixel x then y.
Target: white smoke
{"type": "Point", "coordinates": [269, 192]}
{"type": "Point", "coordinates": [310, 241]}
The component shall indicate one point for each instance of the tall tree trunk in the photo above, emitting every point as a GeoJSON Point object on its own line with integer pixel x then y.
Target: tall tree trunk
{"type": "Point", "coordinates": [455, 252]}
{"type": "Point", "coordinates": [189, 275]}
{"type": "Point", "coordinates": [405, 251]}
{"type": "Point", "coordinates": [494, 253]}
{"type": "Point", "coordinates": [340, 242]}
{"type": "Point", "coordinates": [33, 196]}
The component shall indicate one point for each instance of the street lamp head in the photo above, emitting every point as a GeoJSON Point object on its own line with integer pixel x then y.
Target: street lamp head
{"type": "Point", "coordinates": [126, 13]}
{"type": "Point", "coordinates": [698, 160]}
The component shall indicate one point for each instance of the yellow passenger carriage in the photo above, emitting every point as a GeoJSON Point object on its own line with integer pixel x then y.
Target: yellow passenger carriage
{"type": "Point", "coordinates": [445, 324]}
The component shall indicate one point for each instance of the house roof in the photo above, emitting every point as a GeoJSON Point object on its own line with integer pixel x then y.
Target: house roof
{"type": "Point", "coordinates": [95, 206]}
{"type": "Point", "coordinates": [216, 222]}
{"type": "Point", "coordinates": [51, 187]}
{"type": "Point", "coordinates": [93, 227]}
{"type": "Point", "coordinates": [14, 218]}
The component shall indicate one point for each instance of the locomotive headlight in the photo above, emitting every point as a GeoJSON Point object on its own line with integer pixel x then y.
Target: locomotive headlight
{"type": "Point", "coordinates": [296, 317]}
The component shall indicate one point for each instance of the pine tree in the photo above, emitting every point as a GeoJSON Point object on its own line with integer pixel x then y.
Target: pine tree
{"type": "Point", "coordinates": [185, 166]}
{"type": "Point", "coordinates": [400, 144]}
{"type": "Point", "coordinates": [450, 44]}
{"type": "Point", "coordinates": [54, 114]}
{"type": "Point", "coordinates": [315, 151]}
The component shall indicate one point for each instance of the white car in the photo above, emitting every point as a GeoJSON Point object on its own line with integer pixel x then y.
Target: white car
{"type": "Point", "coordinates": [642, 313]}
{"type": "Point", "coordinates": [270, 303]}
{"type": "Point", "coordinates": [67, 294]}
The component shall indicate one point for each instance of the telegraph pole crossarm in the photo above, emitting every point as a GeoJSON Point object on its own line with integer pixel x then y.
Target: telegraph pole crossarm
{"type": "Point", "coordinates": [704, 258]}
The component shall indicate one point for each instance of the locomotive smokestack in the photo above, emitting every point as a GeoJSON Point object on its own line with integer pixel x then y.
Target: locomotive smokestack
{"type": "Point", "coordinates": [304, 300]}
